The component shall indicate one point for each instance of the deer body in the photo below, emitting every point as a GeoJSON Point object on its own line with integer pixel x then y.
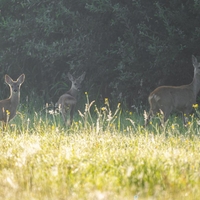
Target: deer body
{"type": "Point", "coordinates": [67, 101]}
{"type": "Point", "coordinates": [166, 99]}
{"type": "Point", "coordinates": [8, 107]}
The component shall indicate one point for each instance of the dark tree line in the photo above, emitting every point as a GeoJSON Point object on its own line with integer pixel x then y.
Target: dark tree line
{"type": "Point", "coordinates": [126, 47]}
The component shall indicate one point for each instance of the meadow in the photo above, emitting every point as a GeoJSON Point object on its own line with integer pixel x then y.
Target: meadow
{"type": "Point", "coordinates": [106, 154]}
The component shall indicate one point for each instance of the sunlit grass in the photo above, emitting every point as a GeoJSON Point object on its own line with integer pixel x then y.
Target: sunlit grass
{"type": "Point", "coordinates": [104, 155]}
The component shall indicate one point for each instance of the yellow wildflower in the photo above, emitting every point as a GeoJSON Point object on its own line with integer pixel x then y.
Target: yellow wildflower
{"type": "Point", "coordinates": [103, 108]}
{"type": "Point", "coordinates": [158, 114]}
{"type": "Point", "coordinates": [7, 112]}
{"type": "Point", "coordinates": [106, 100]}
{"type": "Point", "coordinates": [195, 105]}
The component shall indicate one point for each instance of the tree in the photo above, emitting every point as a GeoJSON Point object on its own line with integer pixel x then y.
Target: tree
{"type": "Point", "coordinates": [127, 48]}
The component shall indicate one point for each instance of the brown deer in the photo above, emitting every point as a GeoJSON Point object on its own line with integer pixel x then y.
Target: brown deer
{"type": "Point", "coordinates": [8, 107]}
{"type": "Point", "coordinates": [67, 101]}
{"type": "Point", "coordinates": [166, 99]}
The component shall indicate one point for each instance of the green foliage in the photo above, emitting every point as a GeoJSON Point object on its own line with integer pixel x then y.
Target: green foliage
{"type": "Point", "coordinates": [127, 48]}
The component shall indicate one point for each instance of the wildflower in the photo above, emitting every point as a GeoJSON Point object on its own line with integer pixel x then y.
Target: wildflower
{"type": "Point", "coordinates": [13, 125]}
{"type": "Point", "coordinates": [160, 114]}
{"type": "Point", "coordinates": [51, 112]}
{"type": "Point", "coordinates": [173, 127]}
{"type": "Point", "coordinates": [145, 115]}
{"type": "Point", "coordinates": [103, 108]}
{"type": "Point", "coordinates": [106, 101]}
{"type": "Point", "coordinates": [130, 113]}
{"type": "Point", "coordinates": [189, 123]}
{"type": "Point", "coordinates": [53, 128]}
{"type": "Point", "coordinates": [95, 110]}
{"type": "Point", "coordinates": [195, 105]}
{"type": "Point", "coordinates": [7, 112]}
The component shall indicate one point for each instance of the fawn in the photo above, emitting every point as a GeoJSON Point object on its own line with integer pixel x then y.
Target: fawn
{"type": "Point", "coordinates": [67, 101]}
{"type": "Point", "coordinates": [165, 99]}
{"type": "Point", "coordinates": [8, 107]}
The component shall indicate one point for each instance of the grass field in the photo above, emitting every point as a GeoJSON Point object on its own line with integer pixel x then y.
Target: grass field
{"type": "Point", "coordinates": [103, 156]}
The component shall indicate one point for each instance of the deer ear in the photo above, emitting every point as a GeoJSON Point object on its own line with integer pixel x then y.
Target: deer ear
{"type": "Point", "coordinates": [194, 60]}
{"type": "Point", "coordinates": [8, 80]}
{"type": "Point", "coordinates": [70, 76]}
{"type": "Point", "coordinates": [81, 78]}
{"type": "Point", "coordinates": [21, 78]}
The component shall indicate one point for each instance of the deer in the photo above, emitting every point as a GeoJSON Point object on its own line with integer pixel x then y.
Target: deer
{"type": "Point", "coordinates": [166, 99]}
{"type": "Point", "coordinates": [8, 107]}
{"type": "Point", "coordinates": [66, 103]}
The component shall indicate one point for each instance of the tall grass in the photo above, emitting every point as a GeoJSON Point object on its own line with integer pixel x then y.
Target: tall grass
{"type": "Point", "coordinates": [104, 155]}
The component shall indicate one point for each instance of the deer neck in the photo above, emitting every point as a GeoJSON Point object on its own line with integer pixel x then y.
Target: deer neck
{"type": "Point", "coordinates": [196, 84]}
{"type": "Point", "coordinates": [14, 99]}
{"type": "Point", "coordinates": [73, 92]}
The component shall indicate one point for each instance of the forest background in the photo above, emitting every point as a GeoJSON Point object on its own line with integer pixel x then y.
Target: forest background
{"type": "Point", "coordinates": [126, 47]}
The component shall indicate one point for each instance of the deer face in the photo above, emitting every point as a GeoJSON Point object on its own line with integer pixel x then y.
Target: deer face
{"type": "Point", "coordinates": [14, 85]}
{"type": "Point", "coordinates": [196, 65]}
{"type": "Point", "coordinates": [76, 83]}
